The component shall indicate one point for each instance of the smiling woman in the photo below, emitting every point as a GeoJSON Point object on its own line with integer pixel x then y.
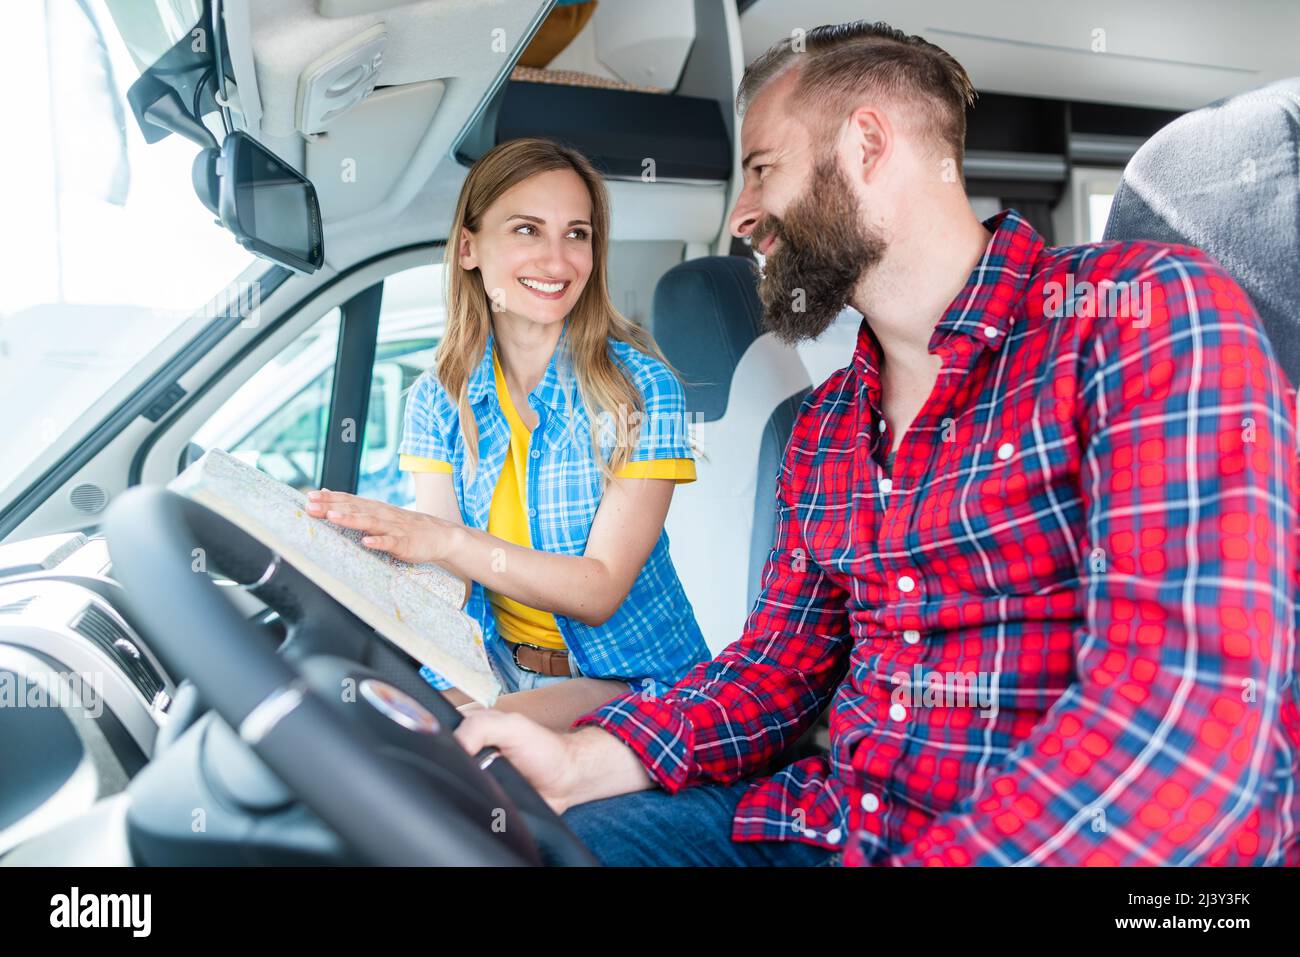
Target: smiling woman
{"type": "Point", "coordinates": [545, 448]}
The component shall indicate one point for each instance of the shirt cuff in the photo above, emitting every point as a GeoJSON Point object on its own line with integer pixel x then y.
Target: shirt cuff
{"type": "Point", "coordinates": [655, 730]}
{"type": "Point", "coordinates": [417, 463]}
{"type": "Point", "coordinates": [679, 470]}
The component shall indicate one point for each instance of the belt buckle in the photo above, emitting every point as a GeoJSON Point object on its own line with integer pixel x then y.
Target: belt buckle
{"type": "Point", "coordinates": [514, 656]}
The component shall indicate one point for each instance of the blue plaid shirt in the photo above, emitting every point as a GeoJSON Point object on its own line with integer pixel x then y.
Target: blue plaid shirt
{"type": "Point", "coordinates": [652, 640]}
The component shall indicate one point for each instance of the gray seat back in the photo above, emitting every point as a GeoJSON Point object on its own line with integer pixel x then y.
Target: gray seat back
{"type": "Point", "coordinates": [1226, 179]}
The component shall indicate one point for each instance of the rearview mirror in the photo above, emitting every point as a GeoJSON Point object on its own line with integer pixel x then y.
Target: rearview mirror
{"type": "Point", "coordinates": [269, 206]}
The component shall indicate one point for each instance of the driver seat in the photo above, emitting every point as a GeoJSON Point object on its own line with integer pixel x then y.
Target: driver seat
{"type": "Point", "coordinates": [1226, 179]}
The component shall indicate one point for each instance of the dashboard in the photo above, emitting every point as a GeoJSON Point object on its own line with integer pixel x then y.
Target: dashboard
{"type": "Point", "coordinates": [82, 697]}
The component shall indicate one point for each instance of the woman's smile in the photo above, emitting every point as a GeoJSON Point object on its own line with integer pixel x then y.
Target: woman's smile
{"type": "Point", "coordinates": [545, 288]}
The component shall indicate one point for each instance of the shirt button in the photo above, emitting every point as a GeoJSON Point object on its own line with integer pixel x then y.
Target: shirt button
{"type": "Point", "coordinates": [532, 513]}
{"type": "Point", "coordinates": [536, 454]}
{"type": "Point", "coordinates": [906, 583]}
{"type": "Point", "coordinates": [881, 425]}
{"type": "Point", "coordinates": [911, 636]}
{"type": "Point", "coordinates": [1006, 450]}
{"type": "Point", "coordinates": [990, 332]}
{"type": "Point", "coordinates": [834, 835]}
{"type": "Point", "coordinates": [886, 485]}
{"type": "Point", "coordinates": [870, 803]}
{"type": "Point", "coordinates": [897, 712]}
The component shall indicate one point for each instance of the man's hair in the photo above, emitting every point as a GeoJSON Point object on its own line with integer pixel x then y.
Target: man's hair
{"type": "Point", "coordinates": [839, 63]}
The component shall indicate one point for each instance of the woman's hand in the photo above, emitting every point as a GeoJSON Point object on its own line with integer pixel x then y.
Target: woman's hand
{"type": "Point", "coordinates": [411, 536]}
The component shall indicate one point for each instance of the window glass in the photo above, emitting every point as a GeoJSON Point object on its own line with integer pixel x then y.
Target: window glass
{"type": "Point", "coordinates": [106, 250]}
{"type": "Point", "coordinates": [276, 421]}
{"type": "Point", "coordinates": [1098, 212]}
{"type": "Point", "coordinates": [411, 324]}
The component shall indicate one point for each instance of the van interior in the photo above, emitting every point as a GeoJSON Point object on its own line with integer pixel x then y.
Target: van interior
{"type": "Point", "coordinates": [145, 320]}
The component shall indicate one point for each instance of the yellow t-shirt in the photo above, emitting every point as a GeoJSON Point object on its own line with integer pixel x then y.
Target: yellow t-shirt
{"type": "Point", "coordinates": [508, 515]}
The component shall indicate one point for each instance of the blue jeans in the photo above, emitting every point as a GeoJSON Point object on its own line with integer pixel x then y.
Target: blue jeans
{"type": "Point", "coordinates": [689, 829]}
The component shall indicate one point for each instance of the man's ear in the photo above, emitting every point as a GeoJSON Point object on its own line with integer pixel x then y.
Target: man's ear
{"type": "Point", "coordinates": [468, 255]}
{"type": "Point", "coordinates": [871, 137]}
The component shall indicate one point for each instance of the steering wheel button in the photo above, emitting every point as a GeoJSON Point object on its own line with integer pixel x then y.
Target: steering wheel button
{"type": "Point", "coordinates": [398, 706]}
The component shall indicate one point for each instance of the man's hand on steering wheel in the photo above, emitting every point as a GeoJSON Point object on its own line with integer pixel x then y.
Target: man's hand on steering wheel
{"type": "Point", "coordinates": [564, 769]}
{"type": "Point", "coordinates": [542, 756]}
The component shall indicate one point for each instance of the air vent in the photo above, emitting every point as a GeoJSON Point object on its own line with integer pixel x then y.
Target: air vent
{"type": "Point", "coordinates": [95, 624]}
{"type": "Point", "coordinates": [16, 607]}
{"type": "Point", "coordinates": [88, 498]}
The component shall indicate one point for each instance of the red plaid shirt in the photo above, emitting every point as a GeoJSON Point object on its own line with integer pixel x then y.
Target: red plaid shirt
{"type": "Point", "coordinates": [1066, 633]}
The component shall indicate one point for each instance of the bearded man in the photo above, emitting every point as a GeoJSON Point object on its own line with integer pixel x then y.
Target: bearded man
{"type": "Point", "coordinates": [1085, 501]}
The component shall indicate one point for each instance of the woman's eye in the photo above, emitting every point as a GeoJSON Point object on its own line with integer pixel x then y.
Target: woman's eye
{"type": "Point", "coordinates": [531, 229]}
{"type": "Point", "coordinates": [578, 234]}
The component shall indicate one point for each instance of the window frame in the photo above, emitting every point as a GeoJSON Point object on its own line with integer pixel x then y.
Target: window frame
{"type": "Point", "coordinates": [176, 429]}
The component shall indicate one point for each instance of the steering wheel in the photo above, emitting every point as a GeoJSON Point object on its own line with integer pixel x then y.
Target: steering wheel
{"type": "Point", "coordinates": [379, 766]}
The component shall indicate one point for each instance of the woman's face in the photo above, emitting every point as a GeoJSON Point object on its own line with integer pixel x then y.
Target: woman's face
{"type": "Point", "coordinates": [533, 248]}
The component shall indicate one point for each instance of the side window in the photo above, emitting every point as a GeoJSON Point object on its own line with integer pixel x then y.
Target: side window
{"type": "Point", "coordinates": [411, 323]}
{"type": "Point", "coordinates": [276, 420]}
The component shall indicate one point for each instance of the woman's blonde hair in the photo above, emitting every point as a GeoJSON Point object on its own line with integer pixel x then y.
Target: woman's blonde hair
{"type": "Point", "coordinates": [605, 389]}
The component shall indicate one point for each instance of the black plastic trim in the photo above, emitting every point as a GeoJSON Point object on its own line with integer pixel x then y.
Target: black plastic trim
{"type": "Point", "coordinates": [619, 130]}
{"type": "Point", "coordinates": [354, 367]}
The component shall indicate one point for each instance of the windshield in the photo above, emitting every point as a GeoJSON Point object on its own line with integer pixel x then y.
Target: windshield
{"type": "Point", "coordinates": [106, 249]}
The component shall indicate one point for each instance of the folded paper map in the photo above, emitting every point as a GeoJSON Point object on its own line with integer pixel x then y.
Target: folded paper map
{"type": "Point", "coordinates": [416, 607]}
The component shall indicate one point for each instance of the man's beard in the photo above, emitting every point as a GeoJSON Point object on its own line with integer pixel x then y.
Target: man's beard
{"type": "Point", "coordinates": [822, 251]}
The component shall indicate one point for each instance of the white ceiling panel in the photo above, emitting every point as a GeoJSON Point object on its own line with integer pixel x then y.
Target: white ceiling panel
{"type": "Point", "coordinates": [1172, 54]}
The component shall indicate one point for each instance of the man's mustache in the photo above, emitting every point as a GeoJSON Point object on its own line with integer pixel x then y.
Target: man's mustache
{"type": "Point", "coordinates": [767, 226]}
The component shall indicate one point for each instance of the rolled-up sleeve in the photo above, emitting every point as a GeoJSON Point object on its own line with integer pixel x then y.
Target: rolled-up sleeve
{"type": "Point", "coordinates": [426, 430]}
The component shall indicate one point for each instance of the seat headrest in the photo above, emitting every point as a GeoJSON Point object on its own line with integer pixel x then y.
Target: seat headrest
{"type": "Point", "coordinates": [706, 313]}
{"type": "Point", "coordinates": [1226, 179]}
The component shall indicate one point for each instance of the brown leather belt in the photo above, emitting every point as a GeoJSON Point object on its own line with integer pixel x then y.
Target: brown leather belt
{"type": "Point", "coordinates": [542, 661]}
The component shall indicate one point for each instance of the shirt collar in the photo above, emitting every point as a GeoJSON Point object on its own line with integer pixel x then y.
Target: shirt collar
{"type": "Point", "coordinates": [554, 389]}
{"type": "Point", "coordinates": [985, 307]}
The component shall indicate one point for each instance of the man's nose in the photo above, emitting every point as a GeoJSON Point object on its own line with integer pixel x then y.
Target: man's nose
{"type": "Point", "coordinates": [745, 216]}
